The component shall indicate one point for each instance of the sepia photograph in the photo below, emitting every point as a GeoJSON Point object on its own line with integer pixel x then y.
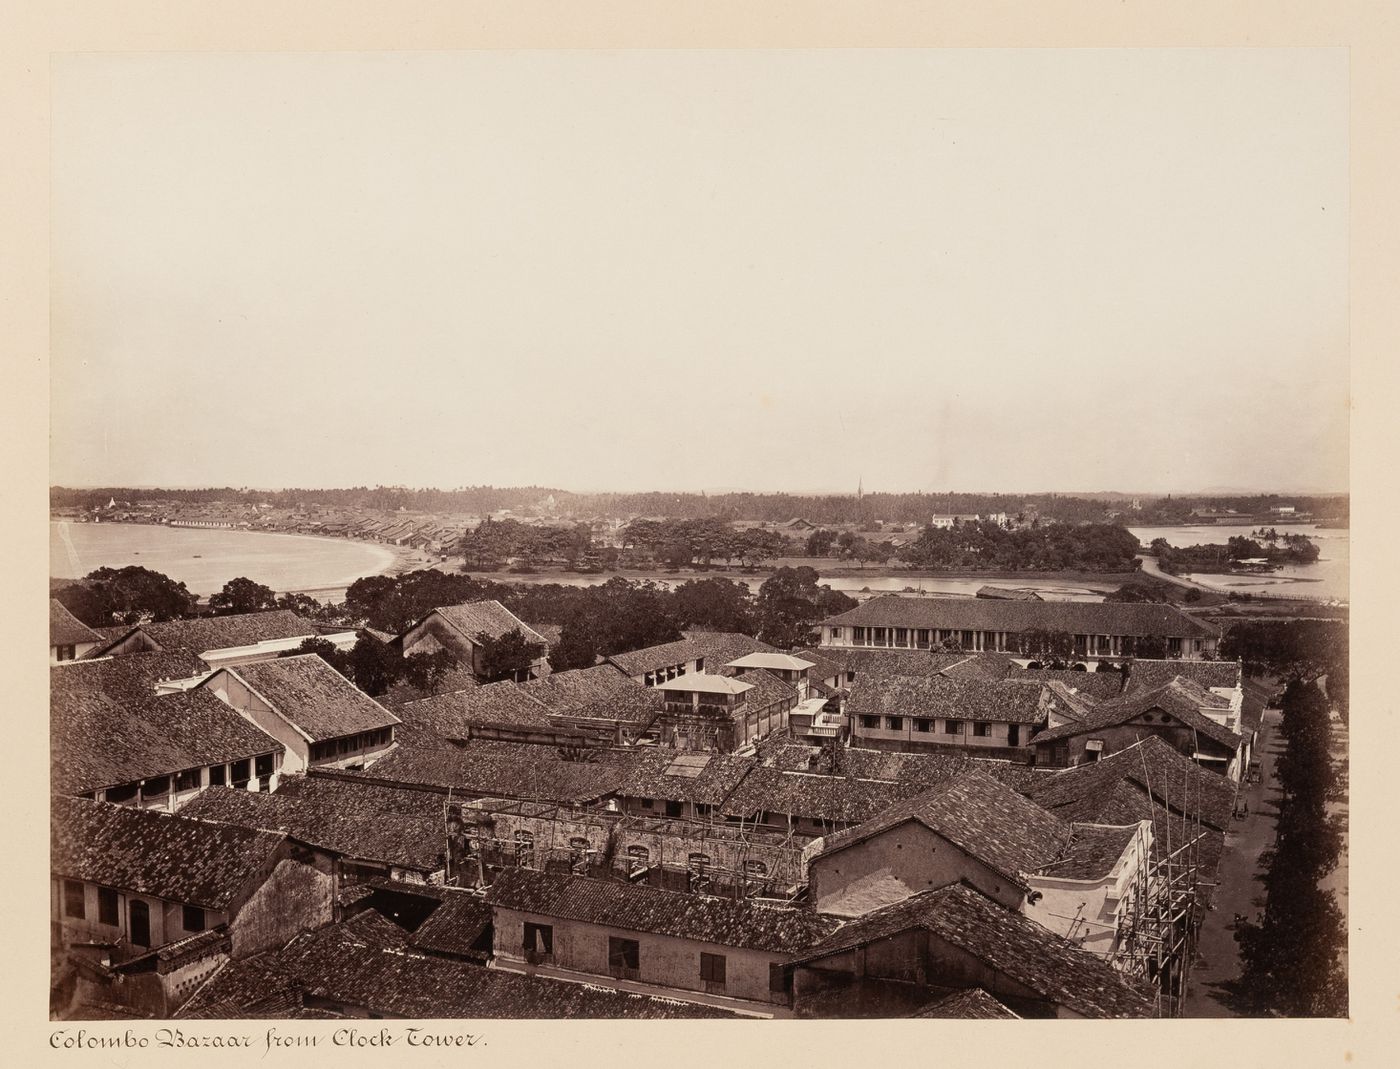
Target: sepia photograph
{"type": "Point", "coordinates": [693, 534]}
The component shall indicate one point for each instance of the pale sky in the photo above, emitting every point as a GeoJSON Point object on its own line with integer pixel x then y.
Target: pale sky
{"type": "Point", "coordinates": [927, 270]}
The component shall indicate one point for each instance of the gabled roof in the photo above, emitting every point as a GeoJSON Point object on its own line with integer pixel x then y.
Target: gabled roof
{"type": "Point", "coordinates": [360, 821]}
{"type": "Point", "coordinates": [681, 775]}
{"type": "Point", "coordinates": [1096, 685]}
{"type": "Point", "coordinates": [368, 962]}
{"type": "Point", "coordinates": [973, 1004]}
{"type": "Point", "coordinates": [603, 693]}
{"type": "Point", "coordinates": [985, 614]}
{"type": "Point", "coordinates": [768, 689]}
{"type": "Point", "coordinates": [206, 633]}
{"type": "Point", "coordinates": [109, 728]}
{"type": "Point", "coordinates": [987, 820]}
{"type": "Point", "coordinates": [506, 704]}
{"type": "Point", "coordinates": [1091, 853]}
{"type": "Point", "coordinates": [837, 799]}
{"type": "Point", "coordinates": [1170, 778]}
{"type": "Point", "coordinates": [155, 853]}
{"type": "Point", "coordinates": [1004, 701]}
{"type": "Point", "coordinates": [824, 666]}
{"type": "Point", "coordinates": [65, 629]}
{"type": "Point", "coordinates": [641, 908]}
{"type": "Point", "coordinates": [1180, 699]}
{"type": "Point", "coordinates": [313, 697]}
{"type": "Point", "coordinates": [717, 647]}
{"type": "Point", "coordinates": [493, 618]}
{"type": "Point", "coordinates": [499, 770]}
{"type": "Point", "coordinates": [1145, 674]}
{"type": "Point", "coordinates": [1007, 942]}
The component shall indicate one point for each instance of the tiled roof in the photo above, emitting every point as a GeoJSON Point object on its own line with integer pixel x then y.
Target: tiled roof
{"type": "Point", "coordinates": [768, 689]}
{"type": "Point", "coordinates": [772, 661]}
{"type": "Point", "coordinates": [640, 908]}
{"type": "Point", "coordinates": [361, 963]}
{"type": "Point", "coordinates": [222, 632]}
{"type": "Point", "coordinates": [505, 704]}
{"type": "Point", "coordinates": [909, 770]}
{"type": "Point", "coordinates": [1180, 698]}
{"type": "Point", "coordinates": [1091, 853]}
{"type": "Point", "coordinates": [499, 770]}
{"type": "Point", "coordinates": [1004, 701]}
{"type": "Point", "coordinates": [1256, 700]}
{"type": "Point", "coordinates": [892, 662]}
{"type": "Point", "coordinates": [984, 614]}
{"type": "Point", "coordinates": [316, 699]}
{"type": "Point", "coordinates": [824, 666]}
{"type": "Point", "coordinates": [155, 853]}
{"type": "Point", "coordinates": [1007, 942]}
{"type": "Point", "coordinates": [991, 822]}
{"type": "Point", "coordinates": [718, 647]}
{"type": "Point", "coordinates": [65, 629]}
{"type": "Point", "coordinates": [474, 617]}
{"type": "Point", "coordinates": [1150, 674]}
{"type": "Point", "coordinates": [693, 777]}
{"type": "Point", "coordinates": [838, 799]}
{"type": "Point", "coordinates": [1096, 685]}
{"type": "Point", "coordinates": [973, 1004]}
{"type": "Point", "coordinates": [602, 692]}
{"type": "Point", "coordinates": [1171, 778]}
{"type": "Point", "coordinates": [980, 666]}
{"type": "Point", "coordinates": [359, 821]}
{"type": "Point", "coordinates": [108, 727]}
{"type": "Point", "coordinates": [454, 926]}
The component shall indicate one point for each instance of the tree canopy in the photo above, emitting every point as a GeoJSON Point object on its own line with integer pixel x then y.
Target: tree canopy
{"type": "Point", "coordinates": [126, 595]}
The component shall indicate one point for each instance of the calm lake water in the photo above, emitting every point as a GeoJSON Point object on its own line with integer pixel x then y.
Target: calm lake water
{"type": "Point", "coordinates": [204, 560]}
{"type": "Point", "coordinates": [1327, 579]}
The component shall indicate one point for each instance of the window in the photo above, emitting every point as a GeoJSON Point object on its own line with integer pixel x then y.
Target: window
{"type": "Point", "coordinates": [755, 870]}
{"type": "Point", "coordinates": [263, 765]}
{"type": "Point", "coordinates": [1013, 735]}
{"type": "Point", "coordinates": [645, 803]}
{"type": "Point", "coordinates": [712, 973]}
{"type": "Point", "coordinates": [858, 634]}
{"type": "Point", "coordinates": [120, 794]}
{"type": "Point", "coordinates": [624, 958]}
{"type": "Point", "coordinates": [67, 653]}
{"type": "Point", "coordinates": [967, 640]}
{"type": "Point", "coordinates": [894, 723]}
{"type": "Point", "coordinates": [218, 775]}
{"type": "Point", "coordinates": [699, 664]}
{"type": "Point", "coordinates": [155, 787]}
{"type": "Point", "coordinates": [74, 900]}
{"type": "Point", "coordinates": [921, 638]}
{"type": "Point", "coordinates": [703, 809]}
{"type": "Point", "coordinates": [242, 772]}
{"type": "Point", "coordinates": [850, 677]}
{"type": "Point", "coordinates": [187, 780]}
{"type": "Point", "coordinates": [193, 920]}
{"type": "Point", "coordinates": [871, 722]}
{"type": "Point", "coordinates": [922, 725]}
{"type": "Point", "coordinates": [953, 727]}
{"type": "Point", "coordinates": [901, 636]}
{"type": "Point", "coordinates": [139, 923]}
{"type": "Point", "coordinates": [538, 943]}
{"type": "Point", "coordinates": [780, 981]}
{"type": "Point", "coordinates": [674, 809]}
{"type": "Point", "coordinates": [981, 729]}
{"type": "Point", "coordinates": [836, 634]}
{"type": "Point", "coordinates": [107, 912]}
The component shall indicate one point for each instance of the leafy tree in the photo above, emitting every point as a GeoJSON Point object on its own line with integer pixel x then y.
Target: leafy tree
{"type": "Point", "coordinates": [820, 542]}
{"type": "Point", "coordinates": [507, 657]}
{"type": "Point", "coordinates": [1045, 645]}
{"type": "Point", "coordinates": [242, 595]}
{"type": "Point", "coordinates": [301, 604]}
{"type": "Point", "coordinates": [577, 646]}
{"type": "Point", "coordinates": [790, 601]}
{"type": "Point", "coordinates": [718, 604]}
{"type": "Point", "coordinates": [327, 651]}
{"type": "Point", "coordinates": [126, 595]}
{"type": "Point", "coordinates": [423, 671]}
{"type": "Point", "coordinates": [375, 666]}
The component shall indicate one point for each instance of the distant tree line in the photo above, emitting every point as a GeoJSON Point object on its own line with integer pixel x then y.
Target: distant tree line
{"type": "Point", "coordinates": [817, 508]}
{"type": "Point", "coordinates": [985, 546]}
{"type": "Point", "coordinates": [1231, 555]}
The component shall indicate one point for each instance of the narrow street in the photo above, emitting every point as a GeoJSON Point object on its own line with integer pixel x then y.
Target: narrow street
{"type": "Point", "coordinates": [1240, 890]}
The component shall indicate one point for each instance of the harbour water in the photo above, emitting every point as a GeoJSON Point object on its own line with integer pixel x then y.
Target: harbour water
{"type": "Point", "coordinates": [1327, 579]}
{"type": "Point", "coordinates": [204, 560]}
